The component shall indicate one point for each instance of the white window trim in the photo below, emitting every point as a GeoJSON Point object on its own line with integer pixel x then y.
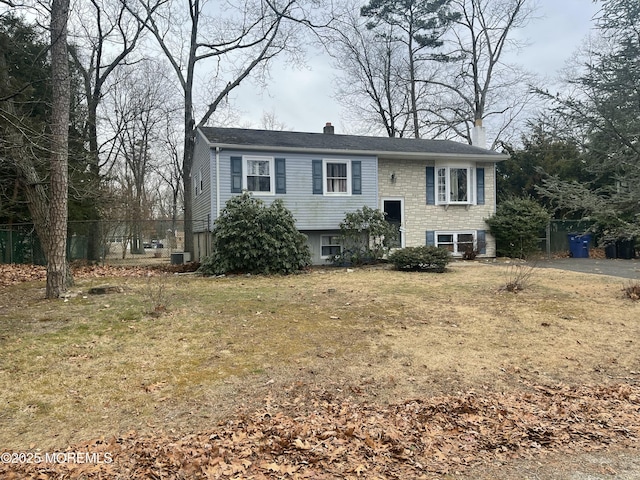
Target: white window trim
{"type": "Point", "coordinates": [272, 173]}
{"type": "Point", "coordinates": [455, 234]}
{"type": "Point", "coordinates": [471, 183]}
{"type": "Point", "coordinates": [403, 236]}
{"type": "Point", "coordinates": [325, 257]}
{"type": "Point", "coordinates": [325, 161]}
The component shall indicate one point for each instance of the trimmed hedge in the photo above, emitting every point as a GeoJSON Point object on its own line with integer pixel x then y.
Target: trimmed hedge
{"type": "Point", "coordinates": [421, 259]}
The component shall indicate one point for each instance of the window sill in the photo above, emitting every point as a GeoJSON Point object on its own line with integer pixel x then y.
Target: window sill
{"type": "Point", "coordinates": [446, 206]}
{"type": "Point", "coordinates": [260, 194]}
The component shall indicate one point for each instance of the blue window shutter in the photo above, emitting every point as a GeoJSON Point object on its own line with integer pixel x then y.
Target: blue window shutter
{"type": "Point", "coordinates": [356, 177]}
{"type": "Point", "coordinates": [431, 185]}
{"type": "Point", "coordinates": [236, 174]}
{"type": "Point", "coordinates": [281, 175]}
{"type": "Point", "coordinates": [481, 238]}
{"type": "Point", "coordinates": [431, 238]}
{"type": "Point", "coordinates": [480, 185]}
{"type": "Point", "coordinates": [316, 172]}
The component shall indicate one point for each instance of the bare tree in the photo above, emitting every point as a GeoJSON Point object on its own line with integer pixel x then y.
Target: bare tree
{"type": "Point", "coordinates": [418, 26]}
{"type": "Point", "coordinates": [59, 181]}
{"type": "Point", "coordinates": [140, 102]}
{"type": "Point", "coordinates": [104, 37]}
{"type": "Point", "coordinates": [170, 171]}
{"type": "Point", "coordinates": [270, 121]}
{"type": "Point", "coordinates": [372, 85]}
{"type": "Point", "coordinates": [480, 86]}
{"type": "Point", "coordinates": [229, 44]}
{"type": "Point", "coordinates": [442, 93]}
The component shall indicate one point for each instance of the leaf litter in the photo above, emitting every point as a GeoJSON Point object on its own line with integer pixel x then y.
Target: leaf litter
{"type": "Point", "coordinates": [316, 438]}
{"type": "Point", "coordinates": [13, 274]}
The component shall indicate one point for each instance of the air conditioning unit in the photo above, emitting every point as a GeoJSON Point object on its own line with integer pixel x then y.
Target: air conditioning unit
{"type": "Point", "coordinates": [180, 258]}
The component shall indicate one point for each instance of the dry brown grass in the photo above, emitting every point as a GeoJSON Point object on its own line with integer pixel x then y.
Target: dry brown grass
{"type": "Point", "coordinates": [102, 365]}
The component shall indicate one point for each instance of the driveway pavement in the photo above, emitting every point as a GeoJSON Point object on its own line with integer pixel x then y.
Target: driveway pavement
{"type": "Point", "coordinates": [600, 266]}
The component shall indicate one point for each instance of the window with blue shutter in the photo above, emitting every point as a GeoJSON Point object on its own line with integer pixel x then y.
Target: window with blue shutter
{"type": "Point", "coordinates": [431, 238]}
{"type": "Point", "coordinates": [480, 186]}
{"type": "Point", "coordinates": [356, 177]}
{"type": "Point", "coordinates": [431, 186]}
{"type": "Point", "coordinates": [236, 174]}
{"type": "Point", "coordinates": [316, 172]}
{"type": "Point", "coordinates": [281, 175]}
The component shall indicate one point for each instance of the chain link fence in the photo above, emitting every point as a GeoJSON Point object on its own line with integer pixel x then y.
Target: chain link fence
{"type": "Point", "coordinates": [114, 242]}
{"type": "Point", "coordinates": [104, 241]}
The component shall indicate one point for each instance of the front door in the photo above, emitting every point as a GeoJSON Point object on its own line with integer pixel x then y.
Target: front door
{"type": "Point", "coordinates": [393, 213]}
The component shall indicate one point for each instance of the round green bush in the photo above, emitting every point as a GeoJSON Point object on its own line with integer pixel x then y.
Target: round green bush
{"type": "Point", "coordinates": [251, 237]}
{"type": "Point", "coordinates": [421, 259]}
{"type": "Point", "coordinates": [516, 226]}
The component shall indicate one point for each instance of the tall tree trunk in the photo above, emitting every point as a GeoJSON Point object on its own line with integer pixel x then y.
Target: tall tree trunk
{"type": "Point", "coordinates": [412, 79]}
{"type": "Point", "coordinates": [189, 135]}
{"type": "Point", "coordinates": [59, 171]}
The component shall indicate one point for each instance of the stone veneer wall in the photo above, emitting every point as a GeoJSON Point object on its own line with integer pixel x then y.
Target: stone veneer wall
{"type": "Point", "coordinates": [411, 185]}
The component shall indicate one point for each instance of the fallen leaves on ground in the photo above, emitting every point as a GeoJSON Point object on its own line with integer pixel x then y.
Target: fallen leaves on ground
{"type": "Point", "coordinates": [317, 437]}
{"type": "Point", "coordinates": [12, 274]}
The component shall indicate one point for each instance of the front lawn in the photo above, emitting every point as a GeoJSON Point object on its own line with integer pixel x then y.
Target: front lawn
{"type": "Point", "coordinates": [176, 355]}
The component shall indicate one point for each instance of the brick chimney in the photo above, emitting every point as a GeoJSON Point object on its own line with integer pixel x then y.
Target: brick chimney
{"type": "Point", "coordinates": [328, 129]}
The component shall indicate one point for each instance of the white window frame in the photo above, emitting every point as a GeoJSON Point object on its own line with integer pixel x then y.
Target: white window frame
{"type": "Point", "coordinates": [403, 236]}
{"type": "Point", "coordinates": [443, 184]}
{"type": "Point", "coordinates": [323, 244]}
{"type": "Point", "coordinates": [197, 182]}
{"type": "Point", "coordinates": [272, 173]}
{"type": "Point", "coordinates": [455, 234]}
{"type": "Point", "coordinates": [327, 161]}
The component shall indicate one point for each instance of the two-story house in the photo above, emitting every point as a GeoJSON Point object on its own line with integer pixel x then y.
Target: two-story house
{"type": "Point", "coordinates": [437, 192]}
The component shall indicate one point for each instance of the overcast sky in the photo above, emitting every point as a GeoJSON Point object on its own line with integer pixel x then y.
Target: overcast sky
{"type": "Point", "coordinates": [303, 100]}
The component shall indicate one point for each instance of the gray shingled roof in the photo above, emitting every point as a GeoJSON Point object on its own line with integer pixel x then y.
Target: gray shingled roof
{"type": "Point", "coordinates": [323, 142]}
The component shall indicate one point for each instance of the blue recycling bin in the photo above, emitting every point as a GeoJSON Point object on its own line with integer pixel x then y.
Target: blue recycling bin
{"type": "Point", "coordinates": [579, 245]}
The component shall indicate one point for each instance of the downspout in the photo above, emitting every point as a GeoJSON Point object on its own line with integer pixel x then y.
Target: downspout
{"type": "Point", "coordinates": [217, 183]}
{"type": "Point", "coordinates": [495, 187]}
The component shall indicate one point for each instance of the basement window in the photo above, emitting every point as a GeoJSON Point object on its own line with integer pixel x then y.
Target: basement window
{"type": "Point", "coordinates": [330, 245]}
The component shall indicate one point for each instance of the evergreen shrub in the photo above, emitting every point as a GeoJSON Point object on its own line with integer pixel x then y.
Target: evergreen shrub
{"type": "Point", "coordinates": [251, 237]}
{"type": "Point", "coordinates": [517, 225]}
{"type": "Point", "coordinates": [422, 259]}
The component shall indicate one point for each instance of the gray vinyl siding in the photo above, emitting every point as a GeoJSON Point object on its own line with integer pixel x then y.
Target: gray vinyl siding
{"type": "Point", "coordinates": [312, 212]}
{"type": "Point", "coordinates": [203, 203]}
